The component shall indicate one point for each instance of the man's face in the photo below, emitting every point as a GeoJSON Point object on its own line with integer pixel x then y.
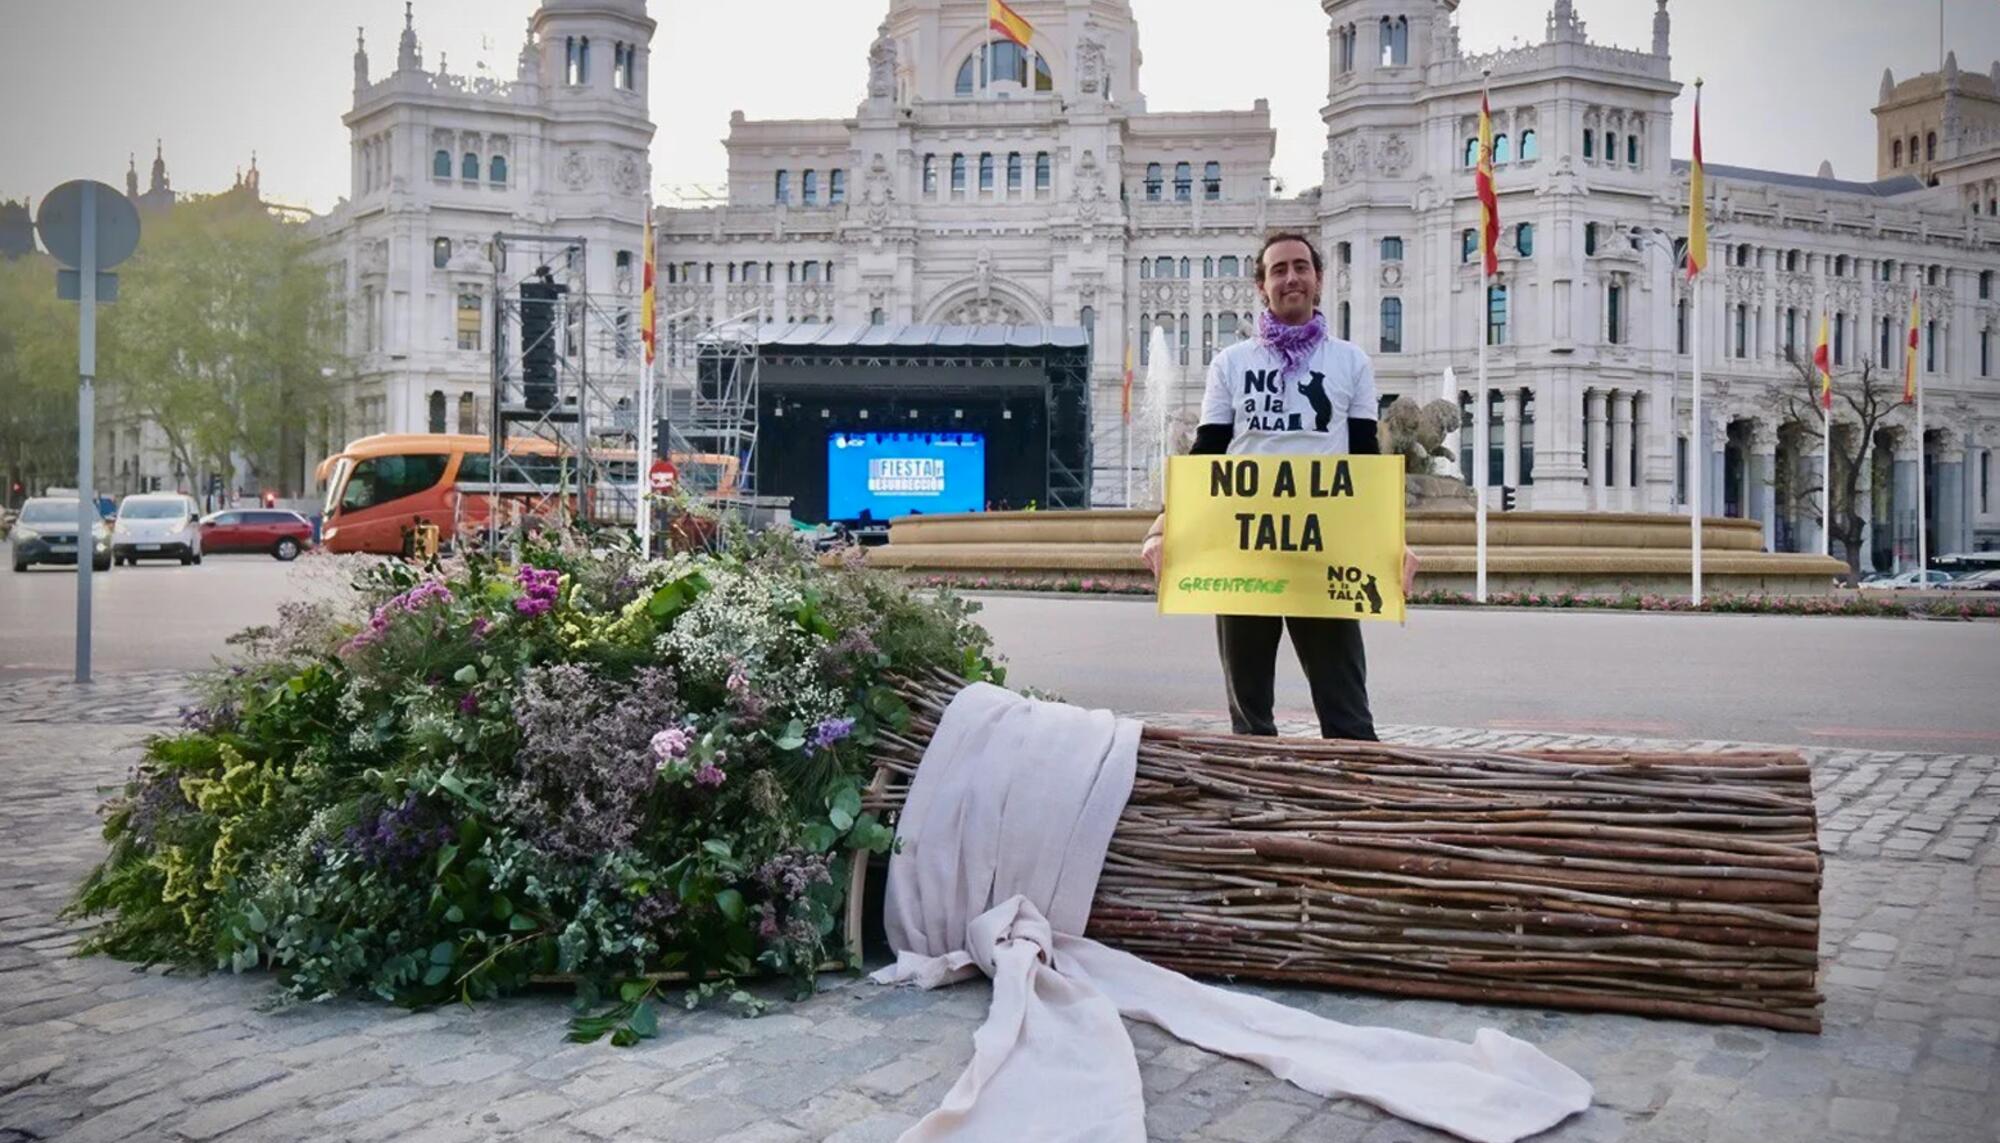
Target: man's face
{"type": "Point", "coordinates": [1291, 285]}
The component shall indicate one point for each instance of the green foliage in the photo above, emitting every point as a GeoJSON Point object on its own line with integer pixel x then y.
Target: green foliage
{"type": "Point", "coordinates": [406, 803]}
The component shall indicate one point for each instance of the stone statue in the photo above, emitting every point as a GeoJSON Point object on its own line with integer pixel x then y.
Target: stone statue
{"type": "Point", "coordinates": [1419, 434]}
{"type": "Point", "coordinates": [882, 65]}
{"type": "Point", "coordinates": [1090, 69]}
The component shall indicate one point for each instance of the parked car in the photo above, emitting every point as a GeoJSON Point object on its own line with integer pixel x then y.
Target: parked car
{"type": "Point", "coordinates": [279, 531]}
{"type": "Point", "coordinates": [1910, 579]}
{"type": "Point", "coordinates": [46, 534]}
{"type": "Point", "coordinates": [1976, 581]}
{"type": "Point", "coordinates": [157, 526]}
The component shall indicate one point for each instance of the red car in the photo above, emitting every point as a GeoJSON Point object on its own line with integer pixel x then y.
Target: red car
{"type": "Point", "coordinates": [283, 534]}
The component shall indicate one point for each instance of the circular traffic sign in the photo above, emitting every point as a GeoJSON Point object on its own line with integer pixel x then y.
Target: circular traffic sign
{"type": "Point", "coordinates": [662, 476]}
{"type": "Point", "coordinates": [60, 223]}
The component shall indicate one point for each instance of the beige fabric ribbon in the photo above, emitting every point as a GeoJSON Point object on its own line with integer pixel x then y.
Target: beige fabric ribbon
{"type": "Point", "coordinates": [1003, 839]}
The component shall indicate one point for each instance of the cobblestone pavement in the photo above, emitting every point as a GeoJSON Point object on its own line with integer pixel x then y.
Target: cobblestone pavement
{"type": "Point", "coordinates": [91, 1049]}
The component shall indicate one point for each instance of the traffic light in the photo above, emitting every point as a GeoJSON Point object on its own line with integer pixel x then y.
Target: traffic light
{"type": "Point", "coordinates": [662, 438]}
{"type": "Point", "coordinates": [270, 499]}
{"type": "Point", "coordinates": [538, 340]}
{"type": "Point", "coordinates": [1506, 498]}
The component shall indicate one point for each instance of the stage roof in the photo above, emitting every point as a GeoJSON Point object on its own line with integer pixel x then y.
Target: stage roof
{"type": "Point", "coordinates": [859, 335]}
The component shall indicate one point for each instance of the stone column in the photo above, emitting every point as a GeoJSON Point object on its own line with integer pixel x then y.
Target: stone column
{"type": "Point", "coordinates": [1761, 480]}
{"type": "Point", "coordinates": [1510, 438]}
{"type": "Point", "coordinates": [1593, 445]}
{"type": "Point", "coordinates": [1864, 500]}
{"type": "Point", "coordinates": [1952, 532]}
{"type": "Point", "coordinates": [1621, 442]}
{"type": "Point", "coordinates": [1642, 439]}
{"type": "Point", "coordinates": [1718, 456]}
{"type": "Point", "coordinates": [1903, 500]}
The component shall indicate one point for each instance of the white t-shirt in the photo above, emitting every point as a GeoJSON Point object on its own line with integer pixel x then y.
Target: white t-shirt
{"type": "Point", "coordinates": [1305, 413]}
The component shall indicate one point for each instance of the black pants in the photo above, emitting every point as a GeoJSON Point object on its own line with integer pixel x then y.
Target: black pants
{"type": "Point", "coordinates": [1330, 651]}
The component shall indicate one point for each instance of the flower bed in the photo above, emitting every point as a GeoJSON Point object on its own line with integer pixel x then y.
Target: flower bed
{"type": "Point", "coordinates": [457, 780]}
{"type": "Point", "coordinates": [1878, 604]}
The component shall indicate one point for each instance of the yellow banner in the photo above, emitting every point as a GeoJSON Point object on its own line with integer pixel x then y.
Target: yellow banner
{"type": "Point", "coordinates": [1284, 535]}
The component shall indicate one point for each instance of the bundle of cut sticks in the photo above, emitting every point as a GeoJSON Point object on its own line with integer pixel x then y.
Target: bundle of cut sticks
{"type": "Point", "coordinates": [1677, 885]}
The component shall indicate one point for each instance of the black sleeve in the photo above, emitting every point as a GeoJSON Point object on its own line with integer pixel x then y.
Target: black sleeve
{"type": "Point", "coordinates": [1361, 438]}
{"type": "Point", "coordinates": [1212, 440]}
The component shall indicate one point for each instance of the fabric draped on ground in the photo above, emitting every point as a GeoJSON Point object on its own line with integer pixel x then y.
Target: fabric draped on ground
{"type": "Point", "coordinates": [1003, 838]}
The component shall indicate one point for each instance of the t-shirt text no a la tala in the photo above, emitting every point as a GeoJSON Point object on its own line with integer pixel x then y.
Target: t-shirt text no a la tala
{"type": "Point", "coordinates": [1305, 413]}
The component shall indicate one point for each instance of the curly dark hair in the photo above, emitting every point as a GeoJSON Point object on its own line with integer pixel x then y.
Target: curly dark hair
{"type": "Point", "coordinates": [1319, 266]}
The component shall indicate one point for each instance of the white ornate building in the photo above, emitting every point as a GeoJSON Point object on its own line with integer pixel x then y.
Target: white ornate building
{"type": "Point", "coordinates": [978, 182]}
{"type": "Point", "coordinates": [441, 163]}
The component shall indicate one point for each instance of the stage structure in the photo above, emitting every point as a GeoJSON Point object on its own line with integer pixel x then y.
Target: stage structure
{"type": "Point", "coordinates": [708, 378]}
{"type": "Point", "coordinates": [565, 385]}
{"type": "Point", "coordinates": [926, 408]}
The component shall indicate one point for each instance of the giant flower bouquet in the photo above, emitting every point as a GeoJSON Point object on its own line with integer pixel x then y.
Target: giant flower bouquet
{"type": "Point", "coordinates": [455, 780]}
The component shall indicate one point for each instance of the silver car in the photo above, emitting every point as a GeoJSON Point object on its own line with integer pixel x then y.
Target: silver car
{"type": "Point", "coordinates": [46, 534]}
{"type": "Point", "coordinates": [157, 526]}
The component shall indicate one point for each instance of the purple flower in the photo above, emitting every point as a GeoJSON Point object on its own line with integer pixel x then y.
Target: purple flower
{"type": "Point", "coordinates": [479, 627]}
{"type": "Point", "coordinates": [468, 703]}
{"type": "Point", "coordinates": [399, 837]}
{"type": "Point", "coordinates": [710, 775]}
{"type": "Point", "coordinates": [830, 731]}
{"type": "Point", "coordinates": [539, 589]}
{"type": "Point", "coordinates": [671, 743]}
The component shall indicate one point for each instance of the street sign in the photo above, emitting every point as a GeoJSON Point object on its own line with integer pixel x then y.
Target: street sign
{"type": "Point", "coordinates": [69, 286]}
{"type": "Point", "coordinates": [60, 223]}
{"type": "Point", "coordinates": [662, 476]}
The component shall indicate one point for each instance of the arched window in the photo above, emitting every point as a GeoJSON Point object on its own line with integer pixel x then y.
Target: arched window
{"type": "Point", "coordinates": [1468, 245]}
{"type": "Point", "coordinates": [1009, 63]}
{"type": "Point", "coordinates": [1610, 147]}
{"type": "Point", "coordinates": [1207, 338]}
{"type": "Point", "coordinates": [809, 188]}
{"type": "Point", "coordinates": [1930, 146]}
{"type": "Point", "coordinates": [1145, 269]}
{"type": "Point", "coordinates": [576, 61]}
{"type": "Point", "coordinates": [836, 185]}
{"type": "Point", "coordinates": [1840, 266]}
{"type": "Point", "coordinates": [441, 165]}
{"type": "Point", "coordinates": [1614, 310]}
{"type": "Point", "coordinates": [1087, 318]}
{"type": "Point", "coordinates": [1791, 261]}
{"type": "Point", "coordinates": [440, 252]}
{"type": "Point", "coordinates": [1742, 330]}
{"type": "Point", "coordinates": [496, 170]}
{"type": "Point", "coordinates": [1013, 172]}
{"type": "Point", "coordinates": [436, 411]}
{"type": "Point", "coordinates": [1632, 150]}
{"type": "Point", "coordinates": [468, 414]}
{"type": "Point", "coordinates": [930, 176]}
{"type": "Point", "coordinates": [1208, 267]}
{"type": "Point", "coordinates": [1392, 249]}
{"type": "Point", "coordinates": [1503, 149]}
{"type": "Point", "coordinates": [1530, 147]}
{"type": "Point", "coordinates": [968, 76]}
{"type": "Point", "coordinates": [1152, 182]}
{"type": "Point", "coordinates": [1211, 181]}
{"type": "Point", "coordinates": [1913, 150]}
{"type": "Point", "coordinates": [781, 190]}
{"type": "Point", "coordinates": [1524, 239]}
{"type": "Point", "coordinates": [1743, 254]}
{"type": "Point", "coordinates": [1183, 182]}
{"type": "Point", "coordinates": [1590, 238]}
{"type": "Point", "coordinates": [749, 271]}
{"type": "Point", "coordinates": [811, 272]}
{"type": "Point", "coordinates": [1041, 172]}
{"type": "Point", "coordinates": [1392, 325]}
{"type": "Point", "coordinates": [1163, 267]}
{"type": "Point", "coordinates": [985, 172]}
{"type": "Point", "coordinates": [1185, 268]}
{"type": "Point", "coordinates": [1395, 36]}
{"type": "Point", "coordinates": [1230, 267]}
{"type": "Point", "coordinates": [1589, 144]}
{"type": "Point", "coordinates": [1496, 315]}
{"type": "Point", "coordinates": [1225, 329]}
{"type": "Point", "coordinates": [1472, 152]}
{"type": "Point", "coordinates": [1346, 321]}
{"type": "Point", "coordinates": [1888, 269]}
{"type": "Point", "coordinates": [958, 175]}
{"type": "Point", "coordinates": [1350, 38]}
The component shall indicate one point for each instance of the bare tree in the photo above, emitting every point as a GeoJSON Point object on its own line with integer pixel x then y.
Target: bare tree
{"type": "Point", "coordinates": [1868, 398]}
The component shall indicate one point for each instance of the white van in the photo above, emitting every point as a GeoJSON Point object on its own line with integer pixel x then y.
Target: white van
{"type": "Point", "coordinates": [157, 526]}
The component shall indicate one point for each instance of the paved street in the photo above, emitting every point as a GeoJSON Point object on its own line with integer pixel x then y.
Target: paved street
{"type": "Point", "coordinates": [94, 1049]}
{"type": "Point", "coordinates": [1892, 684]}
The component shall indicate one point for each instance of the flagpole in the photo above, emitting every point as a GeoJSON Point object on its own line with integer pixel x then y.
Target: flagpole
{"type": "Point", "coordinates": [1481, 413]}
{"type": "Point", "coordinates": [1826, 477]}
{"type": "Point", "coordinates": [1482, 406]}
{"type": "Point", "coordinates": [1923, 536]}
{"type": "Point", "coordinates": [643, 431]}
{"type": "Point", "coordinates": [1697, 442]}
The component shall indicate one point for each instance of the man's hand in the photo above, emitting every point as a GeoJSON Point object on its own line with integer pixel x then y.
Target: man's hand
{"type": "Point", "coordinates": [1150, 552]}
{"type": "Point", "coordinates": [1409, 571]}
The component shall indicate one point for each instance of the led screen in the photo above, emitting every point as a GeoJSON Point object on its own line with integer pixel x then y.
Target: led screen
{"type": "Point", "coordinates": [886, 475]}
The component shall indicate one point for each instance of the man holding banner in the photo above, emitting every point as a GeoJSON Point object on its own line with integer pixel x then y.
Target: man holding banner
{"type": "Point", "coordinates": [1268, 542]}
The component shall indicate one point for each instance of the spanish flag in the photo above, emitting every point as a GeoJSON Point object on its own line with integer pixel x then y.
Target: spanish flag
{"type": "Point", "coordinates": [1822, 361]}
{"type": "Point", "coordinates": [646, 287]}
{"type": "Point", "coordinates": [1910, 355]}
{"type": "Point", "coordinates": [1125, 395]}
{"type": "Point", "coordinates": [1697, 253]}
{"type": "Point", "coordinates": [1007, 22]}
{"type": "Point", "coordinates": [1489, 203]}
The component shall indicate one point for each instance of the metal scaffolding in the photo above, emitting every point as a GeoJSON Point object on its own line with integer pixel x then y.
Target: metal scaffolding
{"type": "Point", "coordinates": [710, 389]}
{"type": "Point", "coordinates": [565, 383]}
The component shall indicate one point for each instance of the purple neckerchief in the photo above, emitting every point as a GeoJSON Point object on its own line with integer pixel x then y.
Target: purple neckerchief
{"type": "Point", "coordinates": [1294, 344]}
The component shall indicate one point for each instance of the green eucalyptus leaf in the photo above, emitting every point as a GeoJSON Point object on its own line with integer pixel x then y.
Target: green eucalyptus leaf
{"type": "Point", "coordinates": [645, 1019]}
{"type": "Point", "coordinates": [729, 903]}
{"type": "Point", "coordinates": [466, 674]}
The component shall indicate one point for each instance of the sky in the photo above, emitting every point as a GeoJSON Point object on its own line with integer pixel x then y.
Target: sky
{"type": "Point", "coordinates": [1789, 82]}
